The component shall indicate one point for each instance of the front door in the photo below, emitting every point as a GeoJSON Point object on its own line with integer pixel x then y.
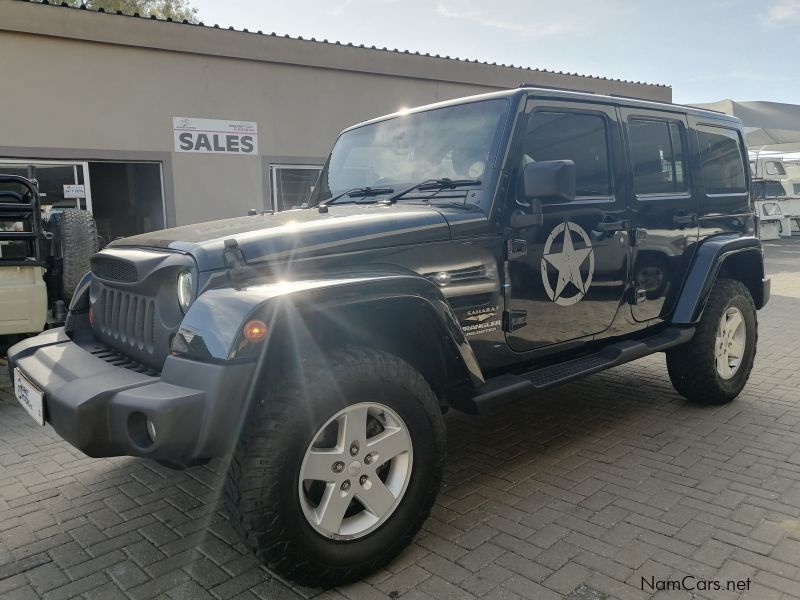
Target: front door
{"type": "Point", "coordinates": [567, 277]}
{"type": "Point", "coordinates": [663, 208]}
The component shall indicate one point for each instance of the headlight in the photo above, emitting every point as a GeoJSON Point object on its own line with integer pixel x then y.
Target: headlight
{"type": "Point", "coordinates": [185, 290]}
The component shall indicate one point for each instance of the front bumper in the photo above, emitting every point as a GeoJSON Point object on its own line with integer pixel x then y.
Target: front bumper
{"type": "Point", "coordinates": [102, 409]}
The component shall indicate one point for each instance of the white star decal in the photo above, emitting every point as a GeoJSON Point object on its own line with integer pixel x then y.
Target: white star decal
{"type": "Point", "coordinates": [568, 263]}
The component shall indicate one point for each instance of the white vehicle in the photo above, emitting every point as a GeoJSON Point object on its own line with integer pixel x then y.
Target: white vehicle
{"type": "Point", "coordinates": [776, 192]}
{"type": "Point", "coordinates": [41, 261]}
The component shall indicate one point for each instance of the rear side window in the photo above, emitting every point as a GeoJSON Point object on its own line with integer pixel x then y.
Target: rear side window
{"type": "Point", "coordinates": [775, 168]}
{"type": "Point", "coordinates": [721, 157]}
{"type": "Point", "coordinates": [657, 156]}
{"type": "Point", "coordinates": [581, 138]}
{"type": "Point", "coordinates": [768, 189]}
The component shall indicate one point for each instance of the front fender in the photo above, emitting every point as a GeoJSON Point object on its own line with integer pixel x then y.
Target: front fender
{"type": "Point", "coordinates": [709, 261]}
{"type": "Point", "coordinates": [212, 327]}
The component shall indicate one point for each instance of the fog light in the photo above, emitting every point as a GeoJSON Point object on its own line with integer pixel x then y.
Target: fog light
{"type": "Point", "coordinates": [151, 430]}
{"type": "Point", "coordinates": [254, 330]}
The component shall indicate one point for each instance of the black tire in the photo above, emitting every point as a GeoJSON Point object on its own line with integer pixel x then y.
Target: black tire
{"type": "Point", "coordinates": [76, 233]}
{"type": "Point", "coordinates": [261, 488]}
{"type": "Point", "coordinates": [692, 368]}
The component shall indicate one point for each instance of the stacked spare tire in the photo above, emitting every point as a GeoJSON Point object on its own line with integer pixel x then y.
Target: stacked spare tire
{"type": "Point", "coordinates": [74, 241]}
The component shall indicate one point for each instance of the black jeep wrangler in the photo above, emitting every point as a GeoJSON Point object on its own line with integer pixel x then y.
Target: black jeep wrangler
{"type": "Point", "coordinates": [461, 255]}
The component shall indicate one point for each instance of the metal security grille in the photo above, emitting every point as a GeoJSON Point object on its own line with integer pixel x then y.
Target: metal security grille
{"type": "Point", "coordinates": [127, 319]}
{"type": "Point", "coordinates": [114, 270]}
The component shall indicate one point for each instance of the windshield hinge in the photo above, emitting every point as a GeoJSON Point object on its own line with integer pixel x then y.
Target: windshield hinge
{"type": "Point", "coordinates": [514, 319]}
{"type": "Point", "coordinates": [233, 258]}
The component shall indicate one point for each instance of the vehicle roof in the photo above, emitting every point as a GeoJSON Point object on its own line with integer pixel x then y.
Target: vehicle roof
{"type": "Point", "coordinates": [559, 94]}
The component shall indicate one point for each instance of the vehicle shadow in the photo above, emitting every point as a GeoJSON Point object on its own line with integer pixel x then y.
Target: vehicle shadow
{"type": "Point", "coordinates": [567, 431]}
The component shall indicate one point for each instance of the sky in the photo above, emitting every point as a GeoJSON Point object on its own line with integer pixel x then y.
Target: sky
{"type": "Point", "coordinates": [707, 50]}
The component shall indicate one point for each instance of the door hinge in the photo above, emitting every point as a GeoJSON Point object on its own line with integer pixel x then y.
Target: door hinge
{"type": "Point", "coordinates": [638, 295]}
{"type": "Point", "coordinates": [514, 319]}
{"type": "Point", "coordinates": [516, 248]}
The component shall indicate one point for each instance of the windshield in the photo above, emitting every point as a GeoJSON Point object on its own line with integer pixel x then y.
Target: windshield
{"type": "Point", "coordinates": [455, 142]}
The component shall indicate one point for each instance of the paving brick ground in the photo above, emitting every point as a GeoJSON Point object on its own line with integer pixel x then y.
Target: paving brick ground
{"type": "Point", "coordinates": [581, 493]}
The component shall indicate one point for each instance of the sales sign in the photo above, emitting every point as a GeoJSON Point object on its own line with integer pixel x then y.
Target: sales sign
{"type": "Point", "coordinates": [215, 136]}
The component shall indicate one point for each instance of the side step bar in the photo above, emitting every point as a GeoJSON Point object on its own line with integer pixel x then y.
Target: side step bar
{"type": "Point", "coordinates": [508, 387]}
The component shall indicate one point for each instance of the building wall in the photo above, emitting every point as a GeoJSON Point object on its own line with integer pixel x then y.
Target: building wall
{"type": "Point", "coordinates": [97, 86]}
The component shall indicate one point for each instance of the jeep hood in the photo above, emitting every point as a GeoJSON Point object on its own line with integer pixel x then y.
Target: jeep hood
{"type": "Point", "coordinates": [299, 234]}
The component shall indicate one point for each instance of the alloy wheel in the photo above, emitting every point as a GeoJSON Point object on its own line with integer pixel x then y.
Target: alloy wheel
{"type": "Point", "coordinates": [729, 344]}
{"type": "Point", "coordinates": [355, 471]}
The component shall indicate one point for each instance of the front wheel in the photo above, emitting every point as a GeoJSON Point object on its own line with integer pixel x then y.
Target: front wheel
{"type": "Point", "coordinates": [714, 366]}
{"type": "Point", "coordinates": [337, 467]}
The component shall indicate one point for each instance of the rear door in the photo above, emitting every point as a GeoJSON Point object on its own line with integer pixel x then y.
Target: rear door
{"type": "Point", "coordinates": [571, 278]}
{"type": "Point", "coordinates": [663, 208]}
{"type": "Point", "coordinates": [725, 204]}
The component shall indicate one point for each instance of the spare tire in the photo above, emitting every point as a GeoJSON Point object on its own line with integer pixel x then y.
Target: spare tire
{"type": "Point", "coordinates": [76, 234]}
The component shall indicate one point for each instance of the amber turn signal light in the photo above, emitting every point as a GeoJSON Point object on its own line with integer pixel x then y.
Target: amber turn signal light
{"type": "Point", "coordinates": [255, 330]}
{"type": "Point", "coordinates": [91, 317]}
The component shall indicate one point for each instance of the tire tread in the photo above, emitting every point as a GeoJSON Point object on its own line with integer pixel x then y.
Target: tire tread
{"type": "Point", "coordinates": [78, 236]}
{"type": "Point", "coordinates": [691, 366]}
{"type": "Point", "coordinates": [252, 477]}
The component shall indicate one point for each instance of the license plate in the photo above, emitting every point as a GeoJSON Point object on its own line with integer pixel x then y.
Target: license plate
{"type": "Point", "coordinates": [31, 397]}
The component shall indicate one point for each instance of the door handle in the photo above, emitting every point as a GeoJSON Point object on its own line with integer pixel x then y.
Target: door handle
{"type": "Point", "coordinates": [684, 219]}
{"type": "Point", "coordinates": [607, 226]}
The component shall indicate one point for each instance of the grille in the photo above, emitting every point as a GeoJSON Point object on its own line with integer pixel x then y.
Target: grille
{"type": "Point", "coordinates": [463, 275]}
{"type": "Point", "coordinates": [111, 269]}
{"type": "Point", "coordinates": [113, 357]}
{"type": "Point", "coordinates": [127, 319]}
{"type": "Point", "coordinates": [468, 274]}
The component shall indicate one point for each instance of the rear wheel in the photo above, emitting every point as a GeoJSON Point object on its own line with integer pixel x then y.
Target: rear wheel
{"type": "Point", "coordinates": [337, 467]}
{"type": "Point", "coordinates": [714, 366]}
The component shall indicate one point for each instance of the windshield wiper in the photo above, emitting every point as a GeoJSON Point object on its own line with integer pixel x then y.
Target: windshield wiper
{"type": "Point", "coordinates": [434, 184]}
{"type": "Point", "coordinates": [361, 192]}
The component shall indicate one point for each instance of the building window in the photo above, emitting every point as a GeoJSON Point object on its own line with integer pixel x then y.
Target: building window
{"type": "Point", "coordinates": [657, 156]}
{"type": "Point", "coordinates": [721, 156]}
{"type": "Point", "coordinates": [581, 138]}
{"type": "Point", "coordinates": [292, 184]}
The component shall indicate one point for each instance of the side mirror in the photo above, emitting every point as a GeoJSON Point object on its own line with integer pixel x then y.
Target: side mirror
{"type": "Point", "coordinates": [549, 180]}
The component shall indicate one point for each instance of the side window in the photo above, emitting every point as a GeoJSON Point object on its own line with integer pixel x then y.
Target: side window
{"type": "Point", "coordinates": [774, 189]}
{"type": "Point", "coordinates": [582, 138]}
{"type": "Point", "coordinates": [775, 168]}
{"type": "Point", "coordinates": [657, 155]}
{"type": "Point", "coordinates": [721, 157]}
